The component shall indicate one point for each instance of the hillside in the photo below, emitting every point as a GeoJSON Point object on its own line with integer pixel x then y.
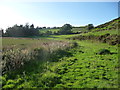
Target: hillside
{"type": "Point", "coordinates": [106, 33]}
{"type": "Point", "coordinates": [113, 24]}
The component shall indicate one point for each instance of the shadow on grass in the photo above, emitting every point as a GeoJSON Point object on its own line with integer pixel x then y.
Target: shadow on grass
{"type": "Point", "coordinates": [45, 36]}
{"type": "Point", "coordinates": [55, 56]}
{"type": "Point", "coordinates": [38, 66]}
{"type": "Point", "coordinates": [31, 67]}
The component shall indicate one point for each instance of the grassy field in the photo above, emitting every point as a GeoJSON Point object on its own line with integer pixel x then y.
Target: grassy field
{"type": "Point", "coordinates": [21, 41]}
{"type": "Point", "coordinates": [74, 30]}
{"type": "Point", "coordinates": [62, 61]}
{"type": "Point", "coordinates": [85, 69]}
{"type": "Point", "coordinates": [111, 32]}
{"type": "Point", "coordinates": [61, 37]}
{"type": "Point", "coordinates": [79, 29]}
{"type": "Point", "coordinates": [45, 30]}
{"type": "Point", "coordinates": [75, 67]}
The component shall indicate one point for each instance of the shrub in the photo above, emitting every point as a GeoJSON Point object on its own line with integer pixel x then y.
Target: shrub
{"type": "Point", "coordinates": [104, 51]}
{"type": "Point", "coordinates": [14, 58]}
{"type": "Point", "coordinates": [74, 44]}
{"type": "Point", "coordinates": [40, 54]}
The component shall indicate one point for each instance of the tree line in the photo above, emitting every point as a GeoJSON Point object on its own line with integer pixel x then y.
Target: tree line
{"type": "Point", "coordinates": [21, 31]}
{"type": "Point", "coordinates": [29, 30]}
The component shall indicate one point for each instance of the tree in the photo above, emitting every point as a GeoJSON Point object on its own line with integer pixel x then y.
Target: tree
{"type": "Point", "coordinates": [65, 29]}
{"type": "Point", "coordinates": [21, 31]}
{"type": "Point", "coordinates": [1, 33]}
{"type": "Point", "coordinates": [54, 27]}
{"type": "Point", "coordinates": [48, 27]}
{"type": "Point", "coordinates": [32, 26]}
{"type": "Point", "coordinates": [90, 26]}
{"type": "Point", "coordinates": [31, 30]}
{"type": "Point", "coordinates": [44, 27]}
{"type": "Point", "coordinates": [13, 31]}
{"type": "Point", "coordinates": [48, 33]}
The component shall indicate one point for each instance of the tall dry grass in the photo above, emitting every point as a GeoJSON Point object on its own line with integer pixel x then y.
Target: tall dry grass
{"type": "Point", "coordinates": [15, 56]}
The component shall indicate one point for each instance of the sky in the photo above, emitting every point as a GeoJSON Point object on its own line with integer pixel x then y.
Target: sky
{"type": "Point", "coordinates": [52, 14]}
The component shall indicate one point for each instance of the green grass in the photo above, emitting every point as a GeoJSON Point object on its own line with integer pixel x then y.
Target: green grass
{"type": "Point", "coordinates": [13, 41]}
{"type": "Point", "coordinates": [83, 69]}
{"type": "Point", "coordinates": [79, 29]}
{"type": "Point", "coordinates": [45, 30]}
{"type": "Point", "coordinates": [56, 30]}
{"type": "Point", "coordinates": [78, 67]}
{"type": "Point", "coordinates": [22, 41]}
{"type": "Point", "coordinates": [86, 70]}
{"type": "Point", "coordinates": [98, 33]}
{"type": "Point", "coordinates": [63, 66]}
{"type": "Point", "coordinates": [61, 37]}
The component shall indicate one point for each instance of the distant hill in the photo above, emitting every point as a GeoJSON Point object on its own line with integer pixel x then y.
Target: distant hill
{"type": "Point", "coordinates": [106, 33]}
{"type": "Point", "coordinates": [113, 24]}
{"type": "Point", "coordinates": [110, 25]}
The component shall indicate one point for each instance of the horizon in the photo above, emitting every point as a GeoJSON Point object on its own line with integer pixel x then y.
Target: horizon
{"type": "Point", "coordinates": [56, 14]}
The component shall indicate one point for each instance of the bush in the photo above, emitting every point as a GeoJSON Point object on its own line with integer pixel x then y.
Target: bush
{"type": "Point", "coordinates": [104, 51]}
{"type": "Point", "coordinates": [66, 29]}
{"type": "Point", "coordinates": [74, 44]}
{"type": "Point", "coordinates": [14, 58]}
{"type": "Point", "coordinates": [40, 54]}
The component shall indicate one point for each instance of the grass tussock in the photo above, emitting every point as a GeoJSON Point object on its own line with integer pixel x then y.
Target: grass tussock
{"type": "Point", "coordinates": [15, 56]}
